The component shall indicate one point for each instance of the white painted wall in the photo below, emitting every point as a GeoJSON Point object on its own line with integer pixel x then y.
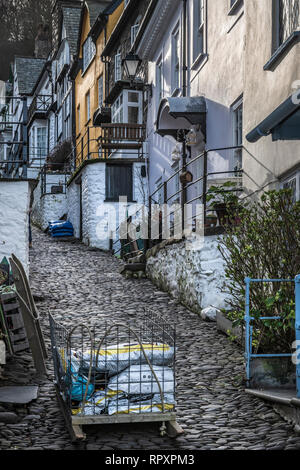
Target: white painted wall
{"type": "Point", "coordinates": [95, 211]}
{"type": "Point", "coordinates": [14, 233]}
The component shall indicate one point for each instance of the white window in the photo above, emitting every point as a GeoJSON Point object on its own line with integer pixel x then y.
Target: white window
{"type": "Point", "coordinates": [41, 142]}
{"type": "Point", "coordinates": [59, 124]}
{"type": "Point", "coordinates": [100, 91]}
{"type": "Point", "coordinates": [88, 106]}
{"type": "Point", "coordinates": [198, 28]}
{"type": "Point", "coordinates": [160, 191]}
{"type": "Point", "coordinates": [88, 53]}
{"type": "Point", "coordinates": [175, 60]}
{"type": "Point", "coordinates": [118, 66]}
{"type": "Point", "coordinates": [237, 114]}
{"type": "Point", "coordinates": [134, 31]}
{"type": "Point", "coordinates": [293, 183]}
{"type": "Point", "coordinates": [159, 81]}
{"type": "Point", "coordinates": [128, 107]}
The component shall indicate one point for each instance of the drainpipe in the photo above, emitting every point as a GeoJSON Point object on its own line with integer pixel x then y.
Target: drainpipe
{"type": "Point", "coordinates": [184, 94]}
{"type": "Point", "coordinates": [184, 52]}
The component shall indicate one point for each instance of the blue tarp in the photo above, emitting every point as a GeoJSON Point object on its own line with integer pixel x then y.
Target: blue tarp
{"type": "Point", "coordinates": [61, 228]}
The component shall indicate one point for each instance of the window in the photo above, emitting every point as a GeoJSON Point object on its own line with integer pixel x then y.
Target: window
{"type": "Point", "coordinates": [100, 91]}
{"type": "Point", "coordinates": [118, 182]}
{"type": "Point", "coordinates": [288, 19]}
{"type": "Point", "coordinates": [199, 28]}
{"type": "Point", "coordinates": [41, 142]}
{"type": "Point", "coordinates": [237, 110]}
{"type": "Point", "coordinates": [88, 106]}
{"type": "Point", "coordinates": [128, 107]}
{"type": "Point", "coordinates": [175, 60]}
{"type": "Point", "coordinates": [118, 66]}
{"type": "Point", "coordinates": [78, 119]}
{"type": "Point", "coordinates": [293, 183]}
{"type": "Point", "coordinates": [88, 52]}
{"type": "Point", "coordinates": [234, 6]}
{"type": "Point", "coordinates": [159, 81]}
{"type": "Point", "coordinates": [59, 124]}
{"type": "Point", "coordinates": [134, 31]}
{"type": "Point", "coordinates": [160, 191]}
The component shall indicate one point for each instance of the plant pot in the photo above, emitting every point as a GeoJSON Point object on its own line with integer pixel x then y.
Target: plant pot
{"type": "Point", "coordinates": [224, 215]}
{"type": "Point", "coordinates": [211, 221]}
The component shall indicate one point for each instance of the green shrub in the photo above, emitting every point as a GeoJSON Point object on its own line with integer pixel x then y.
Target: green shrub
{"type": "Point", "coordinates": [265, 245]}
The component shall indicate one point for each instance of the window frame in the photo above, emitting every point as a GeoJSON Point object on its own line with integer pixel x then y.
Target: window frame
{"type": "Point", "coordinates": [109, 197]}
{"type": "Point", "coordinates": [159, 79]}
{"type": "Point", "coordinates": [124, 106]}
{"type": "Point", "coordinates": [100, 81]}
{"type": "Point", "coordinates": [118, 66]}
{"type": "Point", "coordinates": [88, 106]}
{"type": "Point", "coordinates": [237, 153]}
{"type": "Point", "coordinates": [199, 31]}
{"type": "Point", "coordinates": [176, 59]}
{"type": "Point", "coordinates": [288, 179]}
{"type": "Point", "coordinates": [235, 6]}
{"type": "Point", "coordinates": [88, 53]}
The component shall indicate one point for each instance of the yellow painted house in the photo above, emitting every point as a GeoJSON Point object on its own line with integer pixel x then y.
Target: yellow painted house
{"type": "Point", "coordinates": [97, 23]}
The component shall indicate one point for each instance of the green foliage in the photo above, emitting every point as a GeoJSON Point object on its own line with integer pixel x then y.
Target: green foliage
{"type": "Point", "coordinates": [264, 245]}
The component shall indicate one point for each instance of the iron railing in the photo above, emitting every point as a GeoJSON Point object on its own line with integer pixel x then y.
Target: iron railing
{"type": "Point", "coordinates": [172, 193]}
{"type": "Point", "coordinates": [125, 140]}
{"type": "Point", "coordinates": [54, 181]}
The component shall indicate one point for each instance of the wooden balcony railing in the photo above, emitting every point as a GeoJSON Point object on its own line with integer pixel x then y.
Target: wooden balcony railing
{"type": "Point", "coordinates": [123, 136]}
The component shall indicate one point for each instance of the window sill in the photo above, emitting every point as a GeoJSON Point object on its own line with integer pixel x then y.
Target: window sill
{"type": "Point", "coordinates": [282, 51]}
{"type": "Point", "coordinates": [233, 10]}
{"type": "Point", "coordinates": [176, 92]}
{"type": "Point", "coordinates": [117, 200]}
{"type": "Point", "coordinates": [200, 60]}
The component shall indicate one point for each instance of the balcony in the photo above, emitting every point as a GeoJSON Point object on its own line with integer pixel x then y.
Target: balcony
{"type": "Point", "coordinates": [39, 107]}
{"type": "Point", "coordinates": [119, 136]}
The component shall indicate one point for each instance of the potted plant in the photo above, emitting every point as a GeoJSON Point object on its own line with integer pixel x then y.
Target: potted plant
{"type": "Point", "coordinates": [225, 202]}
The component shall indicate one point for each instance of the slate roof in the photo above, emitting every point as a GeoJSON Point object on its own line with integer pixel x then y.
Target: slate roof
{"type": "Point", "coordinates": [28, 71]}
{"type": "Point", "coordinates": [95, 8]}
{"type": "Point", "coordinates": [71, 18]}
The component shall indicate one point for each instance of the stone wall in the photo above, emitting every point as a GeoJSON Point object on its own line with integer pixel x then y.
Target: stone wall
{"type": "Point", "coordinates": [14, 225]}
{"type": "Point", "coordinates": [194, 277]}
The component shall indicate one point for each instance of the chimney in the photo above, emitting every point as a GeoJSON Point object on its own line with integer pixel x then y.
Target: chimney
{"type": "Point", "coordinates": [42, 42]}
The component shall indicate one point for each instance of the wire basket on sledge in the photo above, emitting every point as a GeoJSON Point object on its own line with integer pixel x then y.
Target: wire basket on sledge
{"type": "Point", "coordinates": [123, 372]}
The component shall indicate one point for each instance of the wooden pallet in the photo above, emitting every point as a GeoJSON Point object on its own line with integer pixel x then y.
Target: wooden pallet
{"type": "Point", "coordinates": [14, 322]}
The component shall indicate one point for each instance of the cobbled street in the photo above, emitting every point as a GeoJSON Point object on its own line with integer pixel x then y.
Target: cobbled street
{"type": "Point", "coordinates": [76, 285]}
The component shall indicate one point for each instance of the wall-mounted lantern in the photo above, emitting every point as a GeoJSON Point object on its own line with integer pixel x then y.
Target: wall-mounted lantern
{"type": "Point", "coordinates": [131, 64]}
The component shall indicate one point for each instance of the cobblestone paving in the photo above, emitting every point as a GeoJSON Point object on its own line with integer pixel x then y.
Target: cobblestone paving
{"type": "Point", "coordinates": [78, 284]}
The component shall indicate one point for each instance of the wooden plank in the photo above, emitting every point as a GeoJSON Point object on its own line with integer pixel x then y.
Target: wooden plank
{"type": "Point", "coordinates": [29, 322]}
{"type": "Point", "coordinates": [10, 307]}
{"type": "Point", "coordinates": [174, 429]}
{"type": "Point", "coordinates": [78, 433]}
{"type": "Point", "coordinates": [124, 418]}
{"type": "Point", "coordinates": [74, 429]}
{"type": "Point", "coordinates": [30, 302]}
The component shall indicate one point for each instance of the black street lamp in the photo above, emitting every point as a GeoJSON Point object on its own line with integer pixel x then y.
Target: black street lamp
{"type": "Point", "coordinates": [131, 64]}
